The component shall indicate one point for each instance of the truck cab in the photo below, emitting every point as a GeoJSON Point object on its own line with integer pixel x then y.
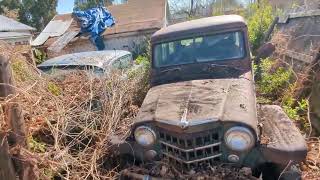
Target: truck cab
{"type": "Point", "coordinates": [201, 109]}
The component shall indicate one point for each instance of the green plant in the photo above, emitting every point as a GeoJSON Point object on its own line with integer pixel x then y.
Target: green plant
{"type": "Point", "coordinates": [47, 172]}
{"type": "Point", "coordinates": [277, 85]}
{"type": "Point", "coordinates": [273, 82]}
{"type": "Point", "coordinates": [40, 56]}
{"type": "Point", "coordinates": [259, 19]}
{"type": "Point", "coordinates": [35, 145]}
{"type": "Point", "coordinates": [296, 110]}
{"type": "Point", "coordinates": [144, 64]}
{"type": "Point", "coordinates": [143, 60]}
{"type": "Point", "coordinates": [20, 71]}
{"type": "Point", "coordinates": [291, 111]}
{"type": "Point", "coordinates": [54, 89]}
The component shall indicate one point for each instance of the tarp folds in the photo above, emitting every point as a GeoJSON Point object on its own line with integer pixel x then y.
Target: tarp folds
{"type": "Point", "coordinates": [95, 21]}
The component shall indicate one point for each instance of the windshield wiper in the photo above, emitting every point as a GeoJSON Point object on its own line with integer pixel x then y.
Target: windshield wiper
{"type": "Point", "coordinates": [171, 70]}
{"type": "Point", "coordinates": [225, 66]}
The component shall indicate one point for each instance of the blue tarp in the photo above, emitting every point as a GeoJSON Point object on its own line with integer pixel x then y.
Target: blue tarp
{"type": "Point", "coordinates": [95, 21]}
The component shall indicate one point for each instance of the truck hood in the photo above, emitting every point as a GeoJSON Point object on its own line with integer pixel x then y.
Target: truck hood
{"type": "Point", "coordinates": [201, 101]}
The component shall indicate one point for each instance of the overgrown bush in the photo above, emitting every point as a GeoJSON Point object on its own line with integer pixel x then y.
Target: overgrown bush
{"type": "Point", "coordinates": [54, 89]}
{"type": "Point", "coordinates": [259, 18]}
{"type": "Point", "coordinates": [275, 81]}
{"type": "Point", "coordinates": [277, 86]}
{"type": "Point", "coordinates": [40, 56]}
{"type": "Point", "coordinates": [21, 72]}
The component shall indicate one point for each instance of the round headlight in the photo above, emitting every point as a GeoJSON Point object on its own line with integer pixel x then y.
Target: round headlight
{"type": "Point", "coordinates": [145, 136]}
{"type": "Point", "coordinates": [239, 139]}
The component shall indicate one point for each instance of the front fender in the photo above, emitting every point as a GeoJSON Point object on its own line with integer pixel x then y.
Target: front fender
{"type": "Point", "coordinates": [282, 140]}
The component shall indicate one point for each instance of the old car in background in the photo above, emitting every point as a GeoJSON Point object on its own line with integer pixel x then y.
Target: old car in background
{"type": "Point", "coordinates": [98, 62]}
{"type": "Point", "coordinates": [201, 110]}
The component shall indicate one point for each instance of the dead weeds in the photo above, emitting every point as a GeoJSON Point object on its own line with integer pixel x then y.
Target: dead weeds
{"type": "Point", "coordinates": [70, 120]}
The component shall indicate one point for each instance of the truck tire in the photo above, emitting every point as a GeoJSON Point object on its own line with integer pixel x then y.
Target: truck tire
{"type": "Point", "coordinates": [271, 171]}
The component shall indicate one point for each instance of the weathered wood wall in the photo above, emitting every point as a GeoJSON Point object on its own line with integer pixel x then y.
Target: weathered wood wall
{"type": "Point", "coordinates": [298, 43]}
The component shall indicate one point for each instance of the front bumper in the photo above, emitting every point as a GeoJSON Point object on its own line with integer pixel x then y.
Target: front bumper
{"type": "Point", "coordinates": [190, 150]}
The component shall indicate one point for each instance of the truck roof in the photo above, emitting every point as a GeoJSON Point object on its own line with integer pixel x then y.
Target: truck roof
{"type": "Point", "coordinates": [204, 25]}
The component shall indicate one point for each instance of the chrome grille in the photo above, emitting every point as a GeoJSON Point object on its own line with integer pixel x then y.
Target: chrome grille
{"type": "Point", "coordinates": [191, 150]}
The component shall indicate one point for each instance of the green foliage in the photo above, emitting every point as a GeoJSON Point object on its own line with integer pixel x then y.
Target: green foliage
{"type": "Point", "coordinates": [37, 13]}
{"type": "Point", "coordinates": [142, 67]}
{"type": "Point", "coordinates": [9, 4]}
{"type": "Point", "coordinates": [273, 82]}
{"type": "Point", "coordinates": [291, 111]}
{"type": "Point", "coordinates": [54, 89]}
{"type": "Point", "coordinates": [143, 60]}
{"type": "Point", "coordinates": [35, 145]}
{"type": "Point", "coordinates": [21, 71]}
{"type": "Point", "coordinates": [277, 86]}
{"type": "Point", "coordinates": [259, 19]}
{"type": "Point", "coordinates": [297, 110]}
{"type": "Point", "coordinates": [48, 173]}
{"type": "Point", "coordinates": [32, 12]}
{"type": "Point", "coordinates": [40, 56]}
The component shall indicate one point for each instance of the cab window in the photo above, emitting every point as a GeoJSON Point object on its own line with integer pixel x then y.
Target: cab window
{"type": "Point", "coordinates": [209, 48]}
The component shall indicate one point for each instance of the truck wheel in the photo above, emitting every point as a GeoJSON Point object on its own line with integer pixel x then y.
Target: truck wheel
{"type": "Point", "coordinates": [272, 171]}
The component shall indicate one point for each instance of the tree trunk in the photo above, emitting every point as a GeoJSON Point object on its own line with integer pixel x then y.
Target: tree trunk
{"type": "Point", "coordinates": [192, 8]}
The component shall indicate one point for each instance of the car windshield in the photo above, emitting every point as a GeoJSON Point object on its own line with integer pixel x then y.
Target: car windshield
{"type": "Point", "coordinates": [57, 69]}
{"type": "Point", "coordinates": [200, 49]}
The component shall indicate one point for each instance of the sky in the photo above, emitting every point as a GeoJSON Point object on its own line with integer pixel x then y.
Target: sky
{"type": "Point", "coordinates": [65, 6]}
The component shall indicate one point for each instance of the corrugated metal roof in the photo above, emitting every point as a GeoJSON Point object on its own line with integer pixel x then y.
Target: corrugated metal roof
{"type": "Point", "coordinates": [11, 25]}
{"type": "Point", "coordinates": [10, 35]}
{"type": "Point", "coordinates": [59, 44]}
{"type": "Point", "coordinates": [55, 28]}
{"type": "Point", "coordinates": [91, 58]}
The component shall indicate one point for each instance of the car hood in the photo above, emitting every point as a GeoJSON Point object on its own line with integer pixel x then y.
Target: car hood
{"type": "Point", "coordinates": [201, 101]}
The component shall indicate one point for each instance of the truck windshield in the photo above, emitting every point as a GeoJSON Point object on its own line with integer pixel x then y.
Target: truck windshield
{"type": "Point", "coordinates": [200, 49]}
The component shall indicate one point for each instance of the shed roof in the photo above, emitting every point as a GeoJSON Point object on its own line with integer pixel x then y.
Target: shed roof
{"type": "Point", "coordinates": [13, 35]}
{"type": "Point", "coordinates": [136, 15]}
{"type": "Point", "coordinates": [203, 25]}
{"type": "Point", "coordinates": [10, 25]}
